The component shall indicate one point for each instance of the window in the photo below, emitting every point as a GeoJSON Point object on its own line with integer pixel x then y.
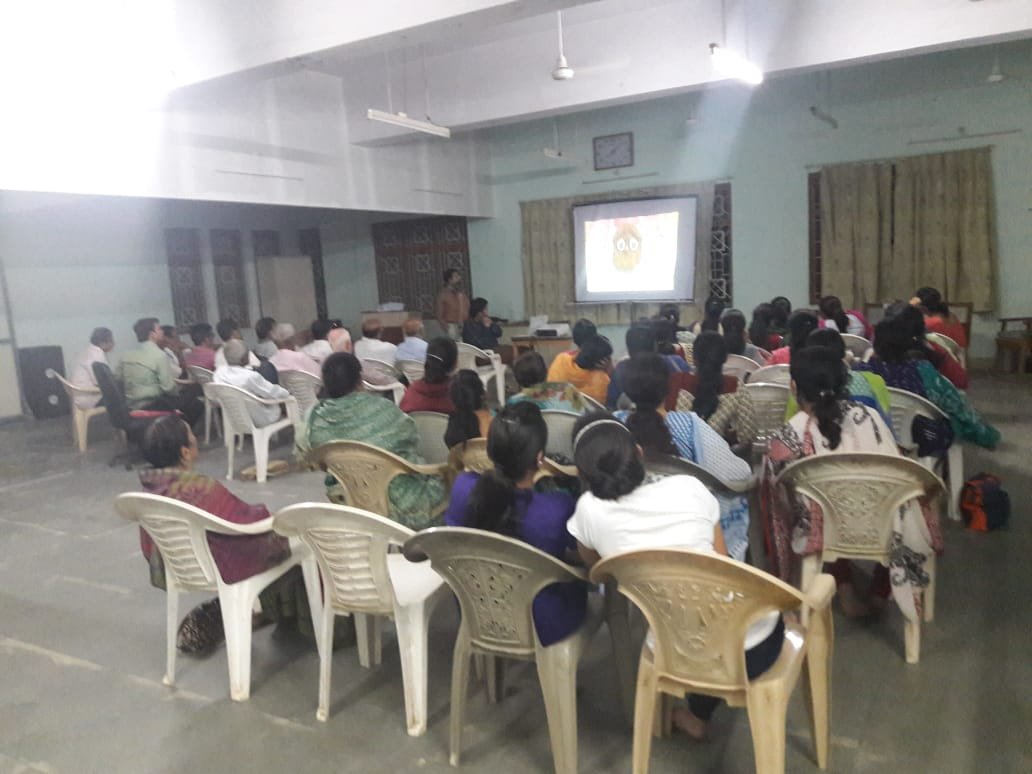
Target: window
{"type": "Point", "coordinates": [720, 284]}
{"type": "Point", "coordinates": [230, 290]}
{"type": "Point", "coordinates": [183, 250]}
{"type": "Point", "coordinates": [813, 184]}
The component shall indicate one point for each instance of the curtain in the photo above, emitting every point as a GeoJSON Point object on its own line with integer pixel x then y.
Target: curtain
{"type": "Point", "coordinates": [548, 265]}
{"type": "Point", "coordinates": [890, 227]}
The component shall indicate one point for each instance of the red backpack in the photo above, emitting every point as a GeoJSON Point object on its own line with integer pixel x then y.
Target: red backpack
{"type": "Point", "coordinates": [984, 504]}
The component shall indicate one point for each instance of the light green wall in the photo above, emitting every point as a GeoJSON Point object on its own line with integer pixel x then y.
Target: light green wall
{"type": "Point", "coordinates": [764, 141]}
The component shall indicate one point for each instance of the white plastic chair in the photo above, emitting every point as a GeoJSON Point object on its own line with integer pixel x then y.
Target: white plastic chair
{"type": "Point", "coordinates": [857, 345]}
{"type": "Point", "coordinates": [234, 403]}
{"type": "Point", "coordinates": [413, 369]}
{"type": "Point", "coordinates": [591, 404]}
{"type": "Point", "coordinates": [495, 579]}
{"type": "Point", "coordinates": [179, 532]}
{"type": "Point", "coordinates": [304, 387]}
{"type": "Point", "coordinates": [859, 494]}
{"type": "Point", "coordinates": [740, 366]}
{"type": "Point", "coordinates": [949, 344]}
{"type": "Point", "coordinates": [203, 376]}
{"type": "Point", "coordinates": [560, 432]}
{"type": "Point", "coordinates": [431, 426]}
{"type": "Point", "coordinates": [772, 374]}
{"type": "Point", "coordinates": [468, 355]}
{"type": "Point", "coordinates": [769, 403]}
{"type": "Point", "coordinates": [80, 416]}
{"type": "Point", "coordinates": [903, 407]}
{"type": "Point", "coordinates": [361, 578]}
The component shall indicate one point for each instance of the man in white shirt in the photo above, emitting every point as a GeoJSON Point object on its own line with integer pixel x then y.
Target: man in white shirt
{"type": "Point", "coordinates": [414, 346]}
{"type": "Point", "coordinates": [228, 330]}
{"type": "Point", "coordinates": [370, 345]}
{"type": "Point", "coordinates": [101, 342]}
{"type": "Point", "coordinates": [237, 374]}
{"type": "Point", "coordinates": [319, 348]}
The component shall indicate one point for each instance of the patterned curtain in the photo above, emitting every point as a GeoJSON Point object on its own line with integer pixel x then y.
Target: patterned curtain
{"type": "Point", "coordinates": [183, 250]}
{"type": "Point", "coordinates": [230, 291]}
{"type": "Point", "coordinates": [548, 265]}
{"type": "Point", "coordinates": [411, 256]}
{"type": "Point", "coordinates": [890, 227]}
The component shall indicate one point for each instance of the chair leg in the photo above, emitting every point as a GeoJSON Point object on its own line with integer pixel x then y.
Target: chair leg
{"type": "Point", "coordinates": [230, 451]}
{"type": "Point", "coordinates": [617, 619]}
{"type": "Point", "coordinates": [411, 623]}
{"type": "Point", "coordinates": [236, 620]}
{"type": "Point", "coordinates": [817, 681]}
{"type": "Point", "coordinates": [207, 421]}
{"type": "Point", "coordinates": [912, 640]}
{"type": "Point", "coordinates": [324, 641]}
{"type": "Point", "coordinates": [171, 624]}
{"type": "Point", "coordinates": [928, 601]}
{"type": "Point", "coordinates": [810, 569]}
{"type": "Point", "coordinates": [313, 590]}
{"type": "Point", "coordinates": [767, 704]}
{"type": "Point", "coordinates": [260, 441]}
{"type": "Point", "coordinates": [80, 426]}
{"type": "Point", "coordinates": [646, 702]}
{"type": "Point", "coordinates": [557, 670]}
{"type": "Point", "coordinates": [955, 464]}
{"type": "Point", "coordinates": [459, 686]}
{"type": "Point", "coordinates": [367, 629]}
{"type": "Point", "coordinates": [500, 385]}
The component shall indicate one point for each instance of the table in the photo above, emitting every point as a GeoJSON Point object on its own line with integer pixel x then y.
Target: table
{"type": "Point", "coordinates": [1014, 345]}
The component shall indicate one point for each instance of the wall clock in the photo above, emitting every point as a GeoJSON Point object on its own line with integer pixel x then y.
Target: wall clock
{"type": "Point", "coordinates": [612, 151]}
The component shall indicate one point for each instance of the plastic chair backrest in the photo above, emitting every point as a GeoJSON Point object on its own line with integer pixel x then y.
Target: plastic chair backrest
{"type": "Point", "coordinates": [769, 402]}
{"type": "Point", "coordinates": [858, 345]}
{"type": "Point", "coordinates": [303, 386]}
{"type": "Point", "coordinates": [474, 456]}
{"type": "Point", "coordinates": [739, 366]}
{"type": "Point", "coordinates": [112, 396]}
{"type": "Point", "coordinates": [699, 607]}
{"type": "Point", "coordinates": [364, 470]}
{"type": "Point", "coordinates": [200, 375]}
{"type": "Point", "coordinates": [903, 407]}
{"type": "Point", "coordinates": [591, 404]}
{"type": "Point", "coordinates": [379, 371]}
{"type": "Point", "coordinates": [669, 465]}
{"type": "Point", "coordinates": [178, 530]}
{"type": "Point", "coordinates": [946, 343]}
{"type": "Point", "coordinates": [350, 547]}
{"type": "Point", "coordinates": [431, 426]}
{"type": "Point", "coordinates": [772, 374]}
{"type": "Point", "coordinates": [235, 403]}
{"type": "Point", "coordinates": [560, 431]}
{"type": "Point", "coordinates": [71, 390]}
{"type": "Point", "coordinates": [413, 369]}
{"type": "Point", "coordinates": [859, 492]}
{"type": "Point", "coordinates": [495, 579]}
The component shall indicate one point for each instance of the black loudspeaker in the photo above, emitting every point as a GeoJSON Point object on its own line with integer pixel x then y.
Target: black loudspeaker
{"type": "Point", "coordinates": [45, 396]}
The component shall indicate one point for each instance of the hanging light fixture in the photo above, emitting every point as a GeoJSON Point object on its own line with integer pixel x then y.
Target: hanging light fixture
{"type": "Point", "coordinates": [731, 64]}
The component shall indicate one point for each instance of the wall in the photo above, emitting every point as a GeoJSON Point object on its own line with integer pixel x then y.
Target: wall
{"type": "Point", "coordinates": [766, 141]}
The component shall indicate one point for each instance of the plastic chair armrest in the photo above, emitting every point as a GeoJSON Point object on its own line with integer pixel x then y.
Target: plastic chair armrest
{"type": "Point", "coordinates": [818, 596]}
{"type": "Point", "coordinates": [428, 469]}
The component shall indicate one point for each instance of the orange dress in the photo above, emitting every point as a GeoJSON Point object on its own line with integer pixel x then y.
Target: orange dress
{"type": "Point", "coordinates": [592, 383]}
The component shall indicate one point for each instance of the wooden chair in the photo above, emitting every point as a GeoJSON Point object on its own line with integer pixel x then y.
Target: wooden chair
{"type": "Point", "coordinates": [180, 533]}
{"type": "Point", "coordinates": [431, 426]}
{"type": "Point", "coordinates": [859, 494]}
{"type": "Point", "coordinates": [80, 416]}
{"type": "Point", "coordinates": [699, 608]}
{"type": "Point", "coordinates": [1014, 346]}
{"type": "Point", "coordinates": [360, 578]}
{"type": "Point", "coordinates": [495, 579]}
{"type": "Point", "coordinates": [468, 356]}
{"type": "Point", "coordinates": [203, 376]}
{"type": "Point", "coordinates": [235, 404]}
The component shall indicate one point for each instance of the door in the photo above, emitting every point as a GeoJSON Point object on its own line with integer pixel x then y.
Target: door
{"type": "Point", "coordinates": [286, 288]}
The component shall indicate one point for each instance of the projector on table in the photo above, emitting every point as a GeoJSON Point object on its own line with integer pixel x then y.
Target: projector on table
{"type": "Point", "coordinates": [553, 330]}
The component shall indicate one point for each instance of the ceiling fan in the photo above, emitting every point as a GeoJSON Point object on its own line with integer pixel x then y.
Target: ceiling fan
{"type": "Point", "coordinates": [562, 70]}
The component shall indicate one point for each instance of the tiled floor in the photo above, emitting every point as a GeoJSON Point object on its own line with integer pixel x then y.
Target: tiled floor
{"type": "Point", "coordinates": [82, 638]}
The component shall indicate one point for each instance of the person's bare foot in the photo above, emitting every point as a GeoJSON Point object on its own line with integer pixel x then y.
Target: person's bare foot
{"type": "Point", "coordinates": [689, 724]}
{"type": "Point", "coordinates": [852, 604]}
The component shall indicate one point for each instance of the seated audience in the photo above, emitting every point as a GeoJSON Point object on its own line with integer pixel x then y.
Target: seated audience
{"type": "Point", "coordinates": [684, 387]}
{"type": "Point", "coordinates": [800, 325]}
{"type": "Point", "coordinates": [229, 330]}
{"type": "Point", "coordinates": [829, 423]}
{"type": "Point", "coordinates": [622, 511]}
{"type": "Point", "coordinates": [760, 332]}
{"type": "Point", "coordinates": [147, 378]}
{"type": "Point", "coordinates": [287, 358]}
{"type": "Point", "coordinates": [531, 374]}
{"type": "Point", "coordinates": [589, 371]}
{"type": "Point", "coordinates": [470, 419]}
{"type": "Point", "coordinates": [340, 339]}
{"type": "Point", "coordinates": [370, 346]}
{"type": "Point", "coordinates": [431, 392]}
{"type": "Point", "coordinates": [938, 318]}
{"type": "Point", "coordinates": [480, 330]}
{"type": "Point", "coordinates": [101, 342]}
{"type": "Point", "coordinates": [683, 434]}
{"type": "Point", "coordinates": [171, 449]}
{"type": "Point", "coordinates": [265, 347]}
{"type": "Point", "coordinates": [237, 374]}
{"type": "Point", "coordinates": [413, 347]}
{"type": "Point", "coordinates": [350, 414]}
{"type": "Point", "coordinates": [504, 500]}
{"type": "Point", "coordinates": [730, 412]}
{"type": "Point", "coordinates": [641, 337]}
{"type": "Point", "coordinates": [834, 316]}
{"type": "Point", "coordinates": [665, 332]}
{"type": "Point", "coordinates": [562, 365]}
{"type": "Point", "coordinates": [671, 312]}
{"type": "Point", "coordinates": [202, 354]}
{"type": "Point", "coordinates": [781, 311]}
{"type": "Point", "coordinates": [173, 349]}
{"type": "Point", "coordinates": [903, 364]}
{"type": "Point", "coordinates": [711, 312]}
{"type": "Point", "coordinates": [735, 338]}
{"type": "Point", "coordinates": [945, 363]}
{"type": "Point", "coordinates": [319, 348]}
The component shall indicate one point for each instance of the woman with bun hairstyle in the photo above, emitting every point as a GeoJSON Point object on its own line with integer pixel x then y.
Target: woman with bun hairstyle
{"type": "Point", "coordinates": [835, 316]}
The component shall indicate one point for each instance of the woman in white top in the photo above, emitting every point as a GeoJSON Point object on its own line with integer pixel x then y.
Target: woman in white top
{"type": "Point", "coordinates": [624, 511]}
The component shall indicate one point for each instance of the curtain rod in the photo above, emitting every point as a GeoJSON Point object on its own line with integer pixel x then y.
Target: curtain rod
{"type": "Point", "coordinates": [818, 167]}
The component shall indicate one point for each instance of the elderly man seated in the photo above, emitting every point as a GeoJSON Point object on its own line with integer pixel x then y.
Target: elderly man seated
{"type": "Point", "coordinates": [237, 374]}
{"type": "Point", "coordinates": [288, 357]}
{"type": "Point", "coordinates": [414, 345]}
{"type": "Point", "coordinates": [372, 346]}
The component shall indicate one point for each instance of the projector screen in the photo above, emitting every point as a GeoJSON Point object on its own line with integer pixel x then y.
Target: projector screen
{"type": "Point", "coordinates": [635, 250]}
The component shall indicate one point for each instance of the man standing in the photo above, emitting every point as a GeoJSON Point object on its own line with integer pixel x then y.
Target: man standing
{"type": "Point", "coordinates": [101, 342]}
{"type": "Point", "coordinates": [452, 306]}
{"type": "Point", "coordinates": [147, 377]}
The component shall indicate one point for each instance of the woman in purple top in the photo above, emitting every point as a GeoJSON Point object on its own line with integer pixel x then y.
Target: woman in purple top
{"type": "Point", "coordinates": [503, 500]}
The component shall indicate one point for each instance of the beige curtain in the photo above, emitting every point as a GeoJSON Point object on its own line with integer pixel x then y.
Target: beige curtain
{"type": "Point", "coordinates": [548, 265]}
{"type": "Point", "coordinates": [890, 227]}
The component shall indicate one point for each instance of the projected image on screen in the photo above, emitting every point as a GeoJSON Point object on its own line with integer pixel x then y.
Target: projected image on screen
{"type": "Point", "coordinates": [635, 250]}
{"type": "Point", "coordinates": [631, 254]}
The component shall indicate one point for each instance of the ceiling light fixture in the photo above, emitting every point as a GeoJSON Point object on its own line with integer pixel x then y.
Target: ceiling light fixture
{"type": "Point", "coordinates": [407, 122]}
{"type": "Point", "coordinates": [734, 65]}
{"type": "Point", "coordinates": [996, 74]}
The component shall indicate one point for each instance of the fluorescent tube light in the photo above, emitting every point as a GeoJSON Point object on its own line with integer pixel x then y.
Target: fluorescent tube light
{"type": "Point", "coordinates": [735, 66]}
{"type": "Point", "coordinates": [404, 121]}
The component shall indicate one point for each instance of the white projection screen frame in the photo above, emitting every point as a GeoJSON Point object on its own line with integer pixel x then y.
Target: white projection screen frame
{"type": "Point", "coordinates": [635, 250]}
